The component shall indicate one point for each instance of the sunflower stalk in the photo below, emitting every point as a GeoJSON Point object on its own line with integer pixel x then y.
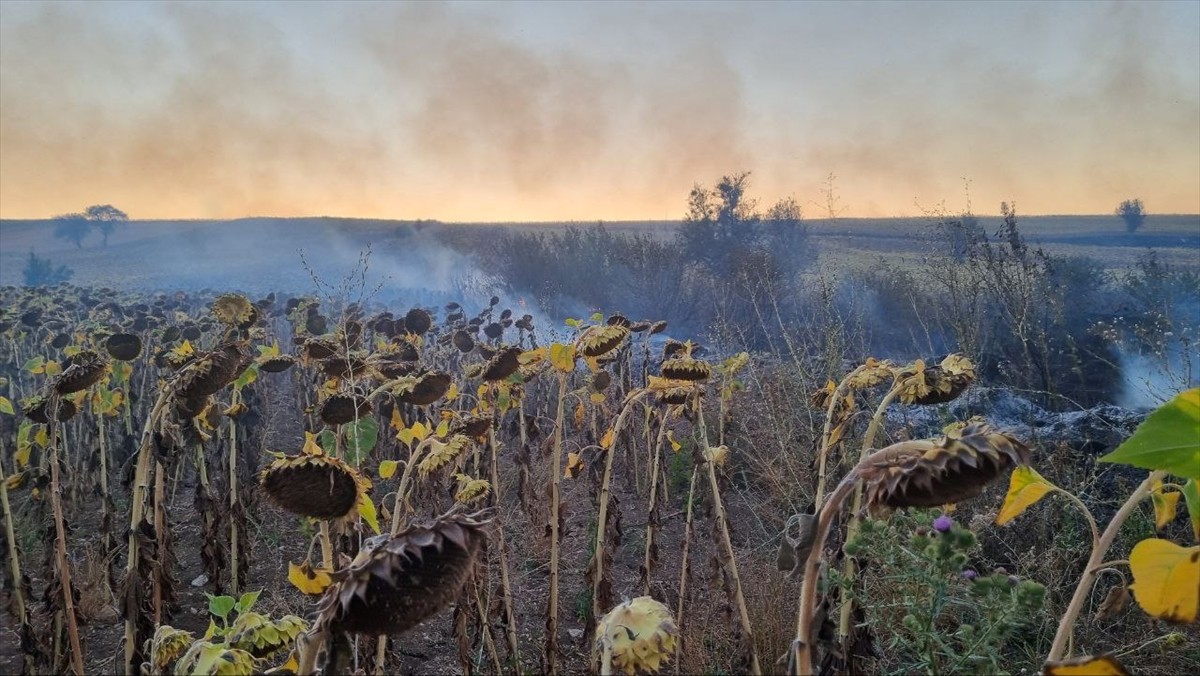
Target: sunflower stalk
{"type": "Point", "coordinates": [60, 541]}
{"type": "Point", "coordinates": [234, 399]}
{"type": "Point", "coordinates": [823, 452]}
{"type": "Point", "coordinates": [17, 587]}
{"type": "Point", "coordinates": [651, 555]}
{"type": "Point", "coordinates": [1100, 547]}
{"type": "Point", "coordinates": [602, 517]}
{"type": "Point", "coordinates": [510, 613]}
{"type": "Point", "coordinates": [551, 654]}
{"type": "Point", "coordinates": [850, 568]}
{"type": "Point", "coordinates": [723, 525]}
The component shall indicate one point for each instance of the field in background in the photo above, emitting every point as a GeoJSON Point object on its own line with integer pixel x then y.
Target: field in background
{"type": "Point", "coordinates": [262, 252]}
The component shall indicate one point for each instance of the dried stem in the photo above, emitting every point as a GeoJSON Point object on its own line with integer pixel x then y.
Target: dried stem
{"type": "Point", "coordinates": [60, 541]}
{"type": "Point", "coordinates": [551, 656]}
{"type": "Point", "coordinates": [1100, 547]}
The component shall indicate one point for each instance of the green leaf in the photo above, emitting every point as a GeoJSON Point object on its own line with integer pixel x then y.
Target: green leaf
{"type": "Point", "coordinates": [220, 605]}
{"type": "Point", "coordinates": [361, 437]}
{"type": "Point", "coordinates": [248, 376]}
{"type": "Point", "coordinates": [6, 406]}
{"type": "Point", "coordinates": [597, 316]}
{"type": "Point", "coordinates": [327, 441]}
{"type": "Point", "coordinates": [1169, 439]}
{"type": "Point", "coordinates": [247, 601]}
{"type": "Point", "coordinates": [1191, 495]}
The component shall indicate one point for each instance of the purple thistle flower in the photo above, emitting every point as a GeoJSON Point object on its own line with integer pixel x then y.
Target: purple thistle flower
{"type": "Point", "coordinates": [969, 574]}
{"type": "Point", "coordinates": [943, 523]}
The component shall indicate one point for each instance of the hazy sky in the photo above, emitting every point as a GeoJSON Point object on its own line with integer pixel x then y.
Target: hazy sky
{"type": "Point", "coordinates": [576, 111]}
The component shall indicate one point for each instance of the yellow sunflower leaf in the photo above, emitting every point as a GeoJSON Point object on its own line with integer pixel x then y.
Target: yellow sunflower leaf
{"type": "Point", "coordinates": [311, 446]}
{"type": "Point", "coordinates": [387, 469]}
{"type": "Point", "coordinates": [574, 465]}
{"type": "Point", "coordinates": [41, 437]}
{"type": "Point", "coordinates": [562, 357]}
{"type": "Point", "coordinates": [1024, 489]}
{"type": "Point", "coordinates": [1165, 505]}
{"type": "Point", "coordinates": [443, 428]}
{"type": "Point", "coordinates": [597, 398]}
{"type": "Point", "coordinates": [6, 406]}
{"type": "Point", "coordinates": [366, 509]}
{"type": "Point", "coordinates": [675, 445]}
{"type": "Point", "coordinates": [308, 579]}
{"type": "Point", "coordinates": [1166, 579]}
{"type": "Point", "coordinates": [607, 440]}
{"type": "Point", "coordinates": [1100, 665]}
{"type": "Point", "coordinates": [452, 393]}
{"type": "Point", "coordinates": [397, 422]}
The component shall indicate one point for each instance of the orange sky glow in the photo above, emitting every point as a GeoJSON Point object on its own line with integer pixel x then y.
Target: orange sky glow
{"type": "Point", "coordinates": [539, 112]}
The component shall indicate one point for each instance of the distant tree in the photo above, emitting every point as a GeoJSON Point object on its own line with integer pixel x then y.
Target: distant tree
{"type": "Point", "coordinates": [72, 227]}
{"type": "Point", "coordinates": [1133, 212]}
{"type": "Point", "coordinates": [40, 272]}
{"type": "Point", "coordinates": [719, 222]}
{"type": "Point", "coordinates": [105, 218]}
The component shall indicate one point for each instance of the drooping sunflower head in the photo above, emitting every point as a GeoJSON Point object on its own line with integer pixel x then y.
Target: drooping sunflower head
{"type": "Point", "coordinates": [394, 583]}
{"type": "Point", "coordinates": [503, 364]}
{"type": "Point", "coordinates": [686, 368]}
{"type": "Point", "coordinates": [928, 385]}
{"type": "Point", "coordinates": [83, 369]}
{"type": "Point", "coordinates": [598, 341]}
{"type": "Point", "coordinates": [930, 473]}
{"type": "Point", "coordinates": [313, 484]}
{"type": "Point", "coordinates": [344, 407]}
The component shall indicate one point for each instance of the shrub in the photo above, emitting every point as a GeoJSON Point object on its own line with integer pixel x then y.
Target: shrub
{"type": "Point", "coordinates": [41, 272]}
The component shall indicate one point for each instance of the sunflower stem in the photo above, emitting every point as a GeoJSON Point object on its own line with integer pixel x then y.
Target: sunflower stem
{"type": "Point", "coordinates": [801, 661]}
{"type": "Point", "coordinates": [555, 490]}
{"type": "Point", "coordinates": [723, 523]}
{"type": "Point", "coordinates": [60, 541]}
{"type": "Point", "coordinates": [651, 510]}
{"type": "Point", "coordinates": [233, 497]}
{"type": "Point", "coordinates": [1100, 547]}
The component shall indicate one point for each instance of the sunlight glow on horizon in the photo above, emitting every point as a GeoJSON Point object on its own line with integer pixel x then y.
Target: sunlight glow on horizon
{"type": "Point", "coordinates": [524, 112]}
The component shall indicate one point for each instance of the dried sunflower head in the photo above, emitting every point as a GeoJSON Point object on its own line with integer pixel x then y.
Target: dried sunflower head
{"type": "Point", "coordinates": [686, 368]}
{"type": "Point", "coordinates": [234, 309]}
{"type": "Point", "coordinates": [85, 368]}
{"type": "Point", "coordinates": [313, 484]}
{"type": "Point", "coordinates": [463, 342]}
{"type": "Point", "coordinates": [503, 364]}
{"type": "Point", "coordinates": [928, 385]}
{"type": "Point", "coordinates": [637, 636]}
{"type": "Point", "coordinates": [598, 341]}
{"type": "Point", "coordinates": [123, 346]}
{"type": "Point", "coordinates": [37, 409]}
{"type": "Point", "coordinates": [344, 407]}
{"type": "Point", "coordinates": [424, 388]}
{"type": "Point", "coordinates": [394, 583]}
{"type": "Point", "coordinates": [471, 425]}
{"type": "Point", "coordinates": [320, 348]}
{"type": "Point", "coordinates": [417, 321]}
{"type": "Point", "coordinates": [874, 374]}
{"type": "Point", "coordinates": [210, 372]}
{"type": "Point", "coordinates": [277, 364]}
{"type": "Point", "coordinates": [929, 473]}
{"type": "Point", "coordinates": [601, 380]}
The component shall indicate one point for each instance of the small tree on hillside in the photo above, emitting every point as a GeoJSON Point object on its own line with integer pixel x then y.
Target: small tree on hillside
{"type": "Point", "coordinates": [72, 227]}
{"type": "Point", "coordinates": [105, 217]}
{"type": "Point", "coordinates": [1133, 212]}
{"type": "Point", "coordinates": [40, 272]}
{"type": "Point", "coordinates": [75, 227]}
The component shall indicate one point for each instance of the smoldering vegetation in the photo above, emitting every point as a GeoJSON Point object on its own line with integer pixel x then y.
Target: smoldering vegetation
{"type": "Point", "coordinates": [1035, 315]}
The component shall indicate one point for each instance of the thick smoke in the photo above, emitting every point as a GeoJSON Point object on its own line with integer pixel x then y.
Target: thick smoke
{"type": "Point", "coordinates": [523, 112]}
